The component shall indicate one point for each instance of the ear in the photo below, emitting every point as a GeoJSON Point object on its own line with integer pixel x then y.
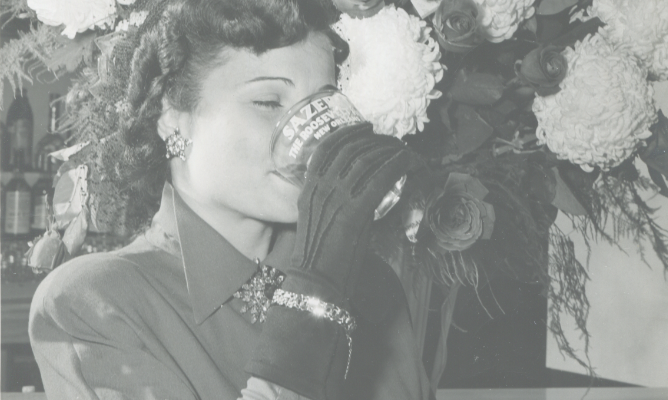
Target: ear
{"type": "Point", "coordinates": [170, 120]}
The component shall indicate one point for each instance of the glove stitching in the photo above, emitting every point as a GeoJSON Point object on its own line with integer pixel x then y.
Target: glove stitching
{"type": "Point", "coordinates": [339, 142]}
{"type": "Point", "coordinates": [317, 247]}
{"type": "Point", "coordinates": [336, 147]}
{"type": "Point", "coordinates": [353, 158]}
{"type": "Point", "coordinates": [314, 249]}
{"type": "Point", "coordinates": [305, 249]}
{"type": "Point", "coordinates": [349, 288]}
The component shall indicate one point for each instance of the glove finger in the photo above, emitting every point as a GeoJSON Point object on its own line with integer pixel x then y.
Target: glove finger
{"type": "Point", "coordinates": [376, 176]}
{"type": "Point", "coordinates": [354, 154]}
{"type": "Point", "coordinates": [331, 147]}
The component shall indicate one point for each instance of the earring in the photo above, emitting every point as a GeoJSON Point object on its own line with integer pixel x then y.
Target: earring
{"type": "Point", "coordinates": [176, 145]}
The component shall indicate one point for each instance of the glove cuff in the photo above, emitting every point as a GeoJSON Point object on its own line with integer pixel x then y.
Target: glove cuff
{"type": "Point", "coordinates": [301, 352]}
{"type": "Point", "coordinates": [319, 309]}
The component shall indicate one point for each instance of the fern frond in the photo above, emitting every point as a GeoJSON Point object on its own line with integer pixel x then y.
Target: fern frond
{"type": "Point", "coordinates": [20, 55]}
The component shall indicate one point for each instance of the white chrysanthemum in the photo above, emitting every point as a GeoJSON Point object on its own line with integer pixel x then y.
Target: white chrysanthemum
{"type": "Point", "coordinates": [391, 70]}
{"type": "Point", "coordinates": [499, 18]}
{"type": "Point", "coordinates": [640, 27]}
{"type": "Point", "coordinates": [136, 19]}
{"type": "Point", "coordinates": [76, 15]}
{"type": "Point", "coordinates": [604, 107]}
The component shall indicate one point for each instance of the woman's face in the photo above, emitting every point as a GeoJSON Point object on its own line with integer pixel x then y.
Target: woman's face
{"type": "Point", "coordinates": [228, 166]}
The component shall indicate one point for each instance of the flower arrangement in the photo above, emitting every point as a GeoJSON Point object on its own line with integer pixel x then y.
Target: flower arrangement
{"type": "Point", "coordinates": [603, 110]}
{"type": "Point", "coordinates": [76, 16]}
{"type": "Point", "coordinates": [523, 109]}
{"type": "Point", "coordinates": [395, 102]}
{"type": "Point", "coordinates": [642, 31]}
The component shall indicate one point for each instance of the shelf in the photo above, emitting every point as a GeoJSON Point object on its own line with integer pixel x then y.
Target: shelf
{"type": "Point", "coordinates": [30, 177]}
{"type": "Point", "coordinates": [16, 299]}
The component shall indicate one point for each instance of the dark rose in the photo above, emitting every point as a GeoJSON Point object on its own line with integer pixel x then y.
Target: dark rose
{"type": "Point", "coordinates": [456, 25]}
{"type": "Point", "coordinates": [456, 215]}
{"type": "Point", "coordinates": [543, 69]}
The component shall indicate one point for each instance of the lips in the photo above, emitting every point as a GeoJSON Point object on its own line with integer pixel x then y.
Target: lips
{"type": "Point", "coordinates": [282, 177]}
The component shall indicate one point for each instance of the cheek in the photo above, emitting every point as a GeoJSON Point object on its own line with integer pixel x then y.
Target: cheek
{"type": "Point", "coordinates": [231, 159]}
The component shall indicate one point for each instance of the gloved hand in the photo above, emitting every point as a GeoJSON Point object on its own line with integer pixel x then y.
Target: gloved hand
{"type": "Point", "coordinates": [349, 173]}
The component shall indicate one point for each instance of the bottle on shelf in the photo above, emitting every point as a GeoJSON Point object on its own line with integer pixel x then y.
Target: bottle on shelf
{"type": "Point", "coordinates": [3, 210]}
{"type": "Point", "coordinates": [42, 190]}
{"type": "Point", "coordinates": [5, 147]}
{"type": "Point", "coordinates": [42, 196]}
{"type": "Point", "coordinates": [17, 204]}
{"type": "Point", "coordinates": [51, 141]}
{"type": "Point", "coordinates": [20, 129]}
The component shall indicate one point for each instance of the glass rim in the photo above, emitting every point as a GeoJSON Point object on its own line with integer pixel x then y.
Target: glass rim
{"type": "Point", "coordinates": [326, 90]}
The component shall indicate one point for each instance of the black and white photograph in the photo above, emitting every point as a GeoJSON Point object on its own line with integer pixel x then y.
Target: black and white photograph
{"type": "Point", "coordinates": [334, 199]}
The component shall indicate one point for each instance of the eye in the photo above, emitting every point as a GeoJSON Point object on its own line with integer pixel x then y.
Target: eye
{"type": "Point", "coordinates": [268, 104]}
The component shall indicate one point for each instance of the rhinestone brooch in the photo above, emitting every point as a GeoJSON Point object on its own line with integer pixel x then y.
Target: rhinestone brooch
{"type": "Point", "coordinates": [259, 290]}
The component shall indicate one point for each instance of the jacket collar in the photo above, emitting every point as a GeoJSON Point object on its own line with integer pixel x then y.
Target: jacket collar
{"type": "Point", "coordinates": [214, 269]}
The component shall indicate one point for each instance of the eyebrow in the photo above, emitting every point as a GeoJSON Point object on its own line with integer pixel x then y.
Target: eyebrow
{"type": "Point", "coordinates": [272, 78]}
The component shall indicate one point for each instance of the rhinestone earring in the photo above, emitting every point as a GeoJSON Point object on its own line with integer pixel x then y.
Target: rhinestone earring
{"type": "Point", "coordinates": [176, 145]}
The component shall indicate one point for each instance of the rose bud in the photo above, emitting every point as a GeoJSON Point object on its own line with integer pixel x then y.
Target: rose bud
{"type": "Point", "coordinates": [543, 69]}
{"type": "Point", "coordinates": [456, 25]}
{"type": "Point", "coordinates": [47, 252]}
{"type": "Point", "coordinates": [456, 215]}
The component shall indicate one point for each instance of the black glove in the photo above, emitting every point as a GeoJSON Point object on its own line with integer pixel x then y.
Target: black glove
{"type": "Point", "coordinates": [350, 172]}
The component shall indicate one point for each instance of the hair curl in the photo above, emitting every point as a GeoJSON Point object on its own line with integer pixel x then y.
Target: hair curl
{"type": "Point", "coordinates": [180, 41]}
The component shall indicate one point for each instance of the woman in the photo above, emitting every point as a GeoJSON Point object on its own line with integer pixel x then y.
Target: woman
{"type": "Point", "coordinates": [165, 316]}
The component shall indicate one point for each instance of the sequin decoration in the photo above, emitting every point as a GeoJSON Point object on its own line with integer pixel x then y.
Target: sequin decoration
{"type": "Point", "coordinates": [176, 145]}
{"type": "Point", "coordinates": [258, 291]}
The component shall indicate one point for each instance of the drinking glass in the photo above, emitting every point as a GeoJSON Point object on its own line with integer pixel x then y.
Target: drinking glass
{"type": "Point", "coordinates": [304, 125]}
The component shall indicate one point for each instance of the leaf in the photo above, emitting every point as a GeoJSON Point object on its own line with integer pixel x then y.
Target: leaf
{"type": "Point", "coordinates": [29, 48]}
{"type": "Point", "coordinates": [549, 28]}
{"type": "Point", "coordinates": [540, 183]}
{"type": "Point", "coordinates": [657, 178]}
{"type": "Point", "coordinates": [447, 313]}
{"type": "Point", "coordinates": [564, 198]}
{"type": "Point", "coordinates": [75, 234]}
{"type": "Point", "coordinates": [472, 130]}
{"type": "Point", "coordinates": [531, 25]}
{"type": "Point", "coordinates": [549, 7]}
{"type": "Point", "coordinates": [444, 111]}
{"type": "Point", "coordinates": [70, 56]}
{"type": "Point", "coordinates": [656, 153]}
{"type": "Point", "coordinates": [70, 195]}
{"type": "Point", "coordinates": [578, 32]}
{"type": "Point", "coordinates": [491, 116]}
{"type": "Point", "coordinates": [476, 88]}
{"type": "Point", "coordinates": [66, 153]}
{"type": "Point", "coordinates": [505, 107]}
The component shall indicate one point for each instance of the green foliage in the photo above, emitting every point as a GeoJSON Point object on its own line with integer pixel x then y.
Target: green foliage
{"type": "Point", "coordinates": [24, 56]}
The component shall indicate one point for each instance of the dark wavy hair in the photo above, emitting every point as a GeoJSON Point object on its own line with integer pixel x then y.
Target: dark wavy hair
{"type": "Point", "coordinates": [180, 41]}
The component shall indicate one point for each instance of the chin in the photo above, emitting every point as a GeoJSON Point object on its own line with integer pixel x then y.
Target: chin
{"type": "Point", "coordinates": [281, 210]}
{"type": "Point", "coordinates": [280, 218]}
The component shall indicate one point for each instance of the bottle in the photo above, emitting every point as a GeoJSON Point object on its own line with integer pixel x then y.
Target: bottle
{"type": "Point", "coordinates": [51, 141]}
{"type": "Point", "coordinates": [17, 204]}
{"type": "Point", "coordinates": [3, 209]}
{"type": "Point", "coordinates": [42, 195]}
{"type": "Point", "coordinates": [42, 191]}
{"type": "Point", "coordinates": [20, 128]}
{"type": "Point", "coordinates": [5, 147]}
